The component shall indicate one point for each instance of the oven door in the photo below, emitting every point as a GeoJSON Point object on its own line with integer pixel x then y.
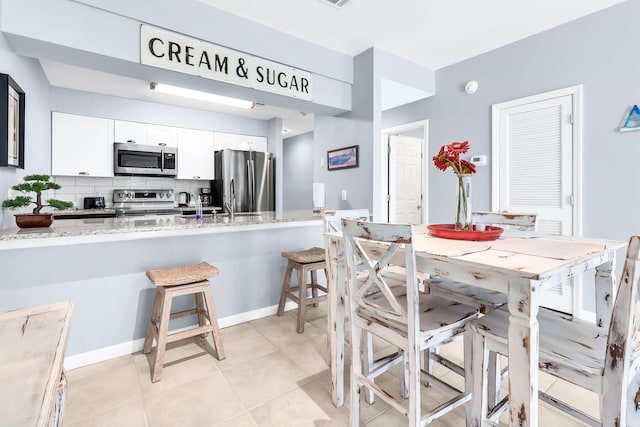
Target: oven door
{"type": "Point", "coordinates": [134, 159]}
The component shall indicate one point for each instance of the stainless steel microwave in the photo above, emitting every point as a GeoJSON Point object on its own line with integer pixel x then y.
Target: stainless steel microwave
{"type": "Point", "coordinates": [147, 160]}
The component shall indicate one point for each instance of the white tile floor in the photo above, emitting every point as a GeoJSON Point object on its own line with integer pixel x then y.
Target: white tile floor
{"type": "Point", "coordinates": [271, 376]}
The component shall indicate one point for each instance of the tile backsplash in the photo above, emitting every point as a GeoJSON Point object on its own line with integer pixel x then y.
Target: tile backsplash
{"type": "Point", "coordinates": [76, 188]}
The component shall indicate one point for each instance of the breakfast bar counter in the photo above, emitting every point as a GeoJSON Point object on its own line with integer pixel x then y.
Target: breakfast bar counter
{"type": "Point", "coordinates": [99, 265]}
{"type": "Point", "coordinates": [94, 230]}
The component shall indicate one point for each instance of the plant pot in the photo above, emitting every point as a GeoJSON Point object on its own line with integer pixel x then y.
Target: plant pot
{"type": "Point", "coordinates": [29, 220]}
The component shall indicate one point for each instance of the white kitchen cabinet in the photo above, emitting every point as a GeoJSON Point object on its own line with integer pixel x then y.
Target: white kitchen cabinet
{"type": "Point", "coordinates": [240, 142]}
{"type": "Point", "coordinates": [196, 150]}
{"type": "Point", "coordinates": [81, 145]}
{"type": "Point", "coordinates": [158, 135]}
{"type": "Point", "coordinates": [130, 132]}
{"type": "Point", "coordinates": [145, 134]}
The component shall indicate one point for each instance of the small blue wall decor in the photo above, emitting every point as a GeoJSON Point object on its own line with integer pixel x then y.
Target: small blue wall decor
{"type": "Point", "coordinates": [633, 120]}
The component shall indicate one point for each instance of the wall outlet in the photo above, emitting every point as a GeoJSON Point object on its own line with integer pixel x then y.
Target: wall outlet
{"type": "Point", "coordinates": [344, 194]}
{"type": "Point", "coordinates": [321, 162]}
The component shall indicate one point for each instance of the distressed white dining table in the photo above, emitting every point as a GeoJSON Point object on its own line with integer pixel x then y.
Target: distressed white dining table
{"type": "Point", "coordinates": [520, 265]}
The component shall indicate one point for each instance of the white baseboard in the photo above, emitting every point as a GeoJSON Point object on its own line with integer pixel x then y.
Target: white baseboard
{"type": "Point", "coordinates": [130, 347]}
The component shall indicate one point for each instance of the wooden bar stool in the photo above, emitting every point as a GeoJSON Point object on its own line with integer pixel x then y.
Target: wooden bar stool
{"type": "Point", "coordinates": [173, 282]}
{"type": "Point", "coordinates": [306, 261]}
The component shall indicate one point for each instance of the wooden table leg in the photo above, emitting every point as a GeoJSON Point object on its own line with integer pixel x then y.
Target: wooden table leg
{"type": "Point", "coordinates": [523, 302]}
{"type": "Point", "coordinates": [335, 321]}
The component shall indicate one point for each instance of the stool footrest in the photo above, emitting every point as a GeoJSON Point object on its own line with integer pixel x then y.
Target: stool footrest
{"type": "Point", "coordinates": [184, 313]}
{"type": "Point", "coordinates": [198, 330]}
{"type": "Point", "coordinates": [308, 301]}
{"type": "Point", "coordinates": [296, 288]}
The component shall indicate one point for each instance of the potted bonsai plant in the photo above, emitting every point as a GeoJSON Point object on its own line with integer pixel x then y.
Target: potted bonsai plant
{"type": "Point", "coordinates": [35, 184]}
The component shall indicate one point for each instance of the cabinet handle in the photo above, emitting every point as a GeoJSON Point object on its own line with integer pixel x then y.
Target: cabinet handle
{"type": "Point", "coordinates": [83, 173]}
{"type": "Point", "coordinates": [162, 144]}
{"type": "Point", "coordinates": [196, 177]}
{"type": "Point", "coordinates": [131, 141]}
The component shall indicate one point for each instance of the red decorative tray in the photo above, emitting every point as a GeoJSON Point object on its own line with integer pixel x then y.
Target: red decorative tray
{"type": "Point", "coordinates": [447, 231]}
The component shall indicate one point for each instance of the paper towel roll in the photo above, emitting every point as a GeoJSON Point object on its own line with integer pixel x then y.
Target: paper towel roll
{"type": "Point", "coordinates": [318, 195]}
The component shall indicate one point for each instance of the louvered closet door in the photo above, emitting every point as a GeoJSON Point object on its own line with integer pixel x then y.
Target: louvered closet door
{"type": "Point", "coordinates": [535, 155]}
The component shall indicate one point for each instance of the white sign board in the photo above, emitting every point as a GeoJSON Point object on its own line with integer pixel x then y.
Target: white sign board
{"type": "Point", "coordinates": [172, 51]}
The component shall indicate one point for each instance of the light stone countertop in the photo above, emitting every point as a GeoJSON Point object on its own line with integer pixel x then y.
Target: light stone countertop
{"type": "Point", "coordinates": [71, 212]}
{"type": "Point", "coordinates": [95, 230]}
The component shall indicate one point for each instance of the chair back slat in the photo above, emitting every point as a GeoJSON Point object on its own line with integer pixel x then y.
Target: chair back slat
{"type": "Point", "coordinates": [623, 332]}
{"type": "Point", "coordinates": [516, 221]}
{"type": "Point", "coordinates": [375, 281]}
{"type": "Point", "coordinates": [331, 219]}
{"type": "Point", "coordinates": [332, 222]}
{"type": "Point", "coordinates": [376, 245]}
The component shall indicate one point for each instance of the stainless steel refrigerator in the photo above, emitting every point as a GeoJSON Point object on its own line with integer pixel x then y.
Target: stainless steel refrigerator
{"type": "Point", "coordinates": [251, 174]}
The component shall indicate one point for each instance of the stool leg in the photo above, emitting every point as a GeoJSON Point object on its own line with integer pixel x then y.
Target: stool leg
{"type": "Point", "coordinates": [302, 296]}
{"type": "Point", "coordinates": [213, 320]}
{"type": "Point", "coordinates": [153, 321]}
{"type": "Point", "coordinates": [285, 288]}
{"type": "Point", "coordinates": [314, 286]}
{"type": "Point", "coordinates": [163, 331]}
{"type": "Point", "coordinates": [202, 314]}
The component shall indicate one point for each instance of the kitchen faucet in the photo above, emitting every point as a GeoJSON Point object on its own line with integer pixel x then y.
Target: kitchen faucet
{"type": "Point", "coordinates": [228, 206]}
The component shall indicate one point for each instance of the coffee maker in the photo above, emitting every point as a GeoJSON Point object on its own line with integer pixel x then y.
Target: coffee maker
{"type": "Point", "coordinates": [206, 197]}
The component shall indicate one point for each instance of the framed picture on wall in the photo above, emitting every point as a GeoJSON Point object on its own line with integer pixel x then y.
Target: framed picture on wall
{"type": "Point", "coordinates": [342, 158]}
{"type": "Point", "coordinates": [11, 123]}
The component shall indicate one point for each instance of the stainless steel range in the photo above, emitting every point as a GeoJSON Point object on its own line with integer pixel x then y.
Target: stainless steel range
{"type": "Point", "coordinates": [144, 202]}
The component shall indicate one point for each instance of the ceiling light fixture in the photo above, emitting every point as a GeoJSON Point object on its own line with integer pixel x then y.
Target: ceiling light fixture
{"type": "Point", "coordinates": [202, 96]}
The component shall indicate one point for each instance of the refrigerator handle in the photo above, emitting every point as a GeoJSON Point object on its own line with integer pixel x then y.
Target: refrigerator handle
{"type": "Point", "coordinates": [253, 185]}
{"type": "Point", "coordinates": [250, 185]}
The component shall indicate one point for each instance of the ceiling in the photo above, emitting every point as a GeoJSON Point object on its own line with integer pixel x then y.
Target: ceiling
{"type": "Point", "coordinates": [433, 33]}
{"type": "Point", "coordinates": [429, 32]}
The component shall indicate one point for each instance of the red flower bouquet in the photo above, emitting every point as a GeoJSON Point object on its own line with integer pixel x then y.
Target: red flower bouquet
{"type": "Point", "coordinates": [449, 157]}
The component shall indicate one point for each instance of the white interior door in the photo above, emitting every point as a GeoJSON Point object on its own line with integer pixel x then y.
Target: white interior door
{"type": "Point", "coordinates": [533, 164]}
{"type": "Point", "coordinates": [405, 179]}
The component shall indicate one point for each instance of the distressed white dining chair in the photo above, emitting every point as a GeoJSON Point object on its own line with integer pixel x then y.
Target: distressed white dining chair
{"type": "Point", "coordinates": [485, 300]}
{"type": "Point", "coordinates": [605, 361]}
{"type": "Point", "coordinates": [509, 220]}
{"type": "Point", "coordinates": [337, 319]}
{"type": "Point", "coordinates": [400, 314]}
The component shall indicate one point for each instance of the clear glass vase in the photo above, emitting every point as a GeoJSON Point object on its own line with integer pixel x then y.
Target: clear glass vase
{"type": "Point", "coordinates": [463, 203]}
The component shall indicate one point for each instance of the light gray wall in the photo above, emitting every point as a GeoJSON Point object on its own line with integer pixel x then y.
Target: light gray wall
{"type": "Point", "coordinates": [28, 74]}
{"type": "Point", "coordinates": [114, 107]}
{"type": "Point", "coordinates": [362, 126]}
{"type": "Point", "coordinates": [298, 159]}
{"type": "Point", "coordinates": [113, 297]}
{"type": "Point", "coordinates": [110, 42]}
{"type": "Point", "coordinates": [337, 132]}
{"type": "Point", "coordinates": [594, 51]}
{"type": "Point", "coordinates": [352, 128]}
{"type": "Point", "coordinates": [198, 19]}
